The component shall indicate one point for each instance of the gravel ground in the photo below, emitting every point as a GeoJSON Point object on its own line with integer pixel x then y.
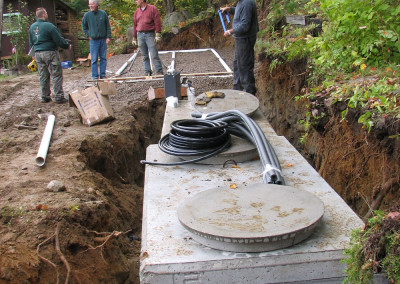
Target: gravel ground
{"type": "Point", "coordinates": [185, 63]}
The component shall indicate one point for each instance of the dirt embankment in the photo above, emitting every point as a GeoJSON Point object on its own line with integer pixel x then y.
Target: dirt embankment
{"type": "Point", "coordinates": [88, 229]}
{"type": "Point", "coordinates": [364, 168]}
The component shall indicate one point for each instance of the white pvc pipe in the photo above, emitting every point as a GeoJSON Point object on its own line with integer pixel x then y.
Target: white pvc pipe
{"type": "Point", "coordinates": [120, 70]}
{"type": "Point", "coordinates": [201, 50]}
{"type": "Point", "coordinates": [151, 63]}
{"type": "Point", "coordinates": [221, 60]}
{"type": "Point", "coordinates": [44, 145]}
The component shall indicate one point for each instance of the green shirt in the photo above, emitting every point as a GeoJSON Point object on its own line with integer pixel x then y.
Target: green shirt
{"type": "Point", "coordinates": [96, 25]}
{"type": "Point", "coordinates": [44, 36]}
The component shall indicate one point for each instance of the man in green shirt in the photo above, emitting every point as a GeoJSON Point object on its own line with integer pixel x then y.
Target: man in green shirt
{"type": "Point", "coordinates": [96, 26]}
{"type": "Point", "coordinates": [45, 38]}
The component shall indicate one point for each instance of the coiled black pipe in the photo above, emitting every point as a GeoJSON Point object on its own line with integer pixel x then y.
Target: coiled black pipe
{"type": "Point", "coordinates": [248, 129]}
{"type": "Point", "coordinates": [209, 136]}
{"type": "Point", "coordinates": [194, 137]}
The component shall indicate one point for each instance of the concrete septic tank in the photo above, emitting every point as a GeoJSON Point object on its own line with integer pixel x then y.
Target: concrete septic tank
{"type": "Point", "coordinates": [170, 254]}
{"type": "Point", "coordinates": [252, 218]}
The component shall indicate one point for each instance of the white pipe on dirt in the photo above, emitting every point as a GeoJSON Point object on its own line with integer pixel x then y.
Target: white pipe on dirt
{"type": "Point", "coordinates": [44, 145]}
{"type": "Point", "coordinates": [171, 68]}
{"type": "Point", "coordinates": [151, 63]}
{"type": "Point", "coordinates": [201, 50]}
{"type": "Point", "coordinates": [120, 70]}
{"type": "Point", "coordinates": [145, 78]}
{"type": "Point", "coordinates": [221, 60]}
{"type": "Point", "coordinates": [184, 50]}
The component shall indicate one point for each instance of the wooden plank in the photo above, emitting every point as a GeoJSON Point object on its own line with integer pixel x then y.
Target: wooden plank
{"type": "Point", "coordinates": [159, 93]}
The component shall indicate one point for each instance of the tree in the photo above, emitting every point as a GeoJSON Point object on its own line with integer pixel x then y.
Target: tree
{"type": "Point", "coordinates": [169, 6]}
{"type": "Point", "coordinates": [17, 27]}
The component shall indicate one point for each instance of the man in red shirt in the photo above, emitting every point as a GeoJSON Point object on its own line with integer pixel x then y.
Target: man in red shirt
{"type": "Point", "coordinates": [146, 32]}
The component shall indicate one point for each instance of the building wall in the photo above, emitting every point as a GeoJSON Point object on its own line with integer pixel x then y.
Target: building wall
{"type": "Point", "coordinates": [6, 46]}
{"type": "Point", "coordinates": [59, 14]}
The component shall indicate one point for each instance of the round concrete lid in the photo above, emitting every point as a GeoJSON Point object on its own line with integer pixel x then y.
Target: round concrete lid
{"type": "Point", "coordinates": [256, 218]}
{"type": "Point", "coordinates": [240, 151]}
{"type": "Point", "coordinates": [239, 100]}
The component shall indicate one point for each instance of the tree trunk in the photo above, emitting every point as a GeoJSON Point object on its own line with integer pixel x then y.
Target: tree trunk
{"type": "Point", "coordinates": [169, 6]}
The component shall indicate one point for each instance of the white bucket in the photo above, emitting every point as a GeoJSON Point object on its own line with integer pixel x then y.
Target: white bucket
{"type": "Point", "coordinates": [172, 101]}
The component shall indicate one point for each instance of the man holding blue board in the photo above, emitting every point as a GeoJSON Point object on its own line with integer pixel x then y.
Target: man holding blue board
{"type": "Point", "coordinates": [244, 30]}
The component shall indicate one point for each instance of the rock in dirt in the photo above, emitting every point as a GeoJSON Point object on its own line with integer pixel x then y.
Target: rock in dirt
{"type": "Point", "coordinates": [56, 186]}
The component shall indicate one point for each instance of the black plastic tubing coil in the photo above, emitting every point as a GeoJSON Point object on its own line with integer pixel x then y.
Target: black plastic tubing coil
{"type": "Point", "coordinates": [194, 137]}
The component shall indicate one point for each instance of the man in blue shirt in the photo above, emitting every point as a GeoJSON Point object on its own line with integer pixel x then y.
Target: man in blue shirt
{"type": "Point", "coordinates": [96, 26]}
{"type": "Point", "coordinates": [45, 38]}
{"type": "Point", "coordinates": [244, 30]}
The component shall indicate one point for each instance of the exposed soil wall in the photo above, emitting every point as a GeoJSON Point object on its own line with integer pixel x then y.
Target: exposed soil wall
{"type": "Point", "coordinates": [364, 168]}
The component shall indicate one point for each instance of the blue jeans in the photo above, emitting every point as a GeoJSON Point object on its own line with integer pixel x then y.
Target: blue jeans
{"type": "Point", "coordinates": [146, 43]}
{"type": "Point", "coordinates": [98, 48]}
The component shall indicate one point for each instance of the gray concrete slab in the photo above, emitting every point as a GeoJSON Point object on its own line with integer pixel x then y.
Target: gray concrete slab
{"type": "Point", "coordinates": [170, 255]}
{"type": "Point", "coordinates": [245, 102]}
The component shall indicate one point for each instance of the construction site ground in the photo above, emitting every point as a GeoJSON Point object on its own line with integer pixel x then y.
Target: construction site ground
{"type": "Point", "coordinates": [88, 228]}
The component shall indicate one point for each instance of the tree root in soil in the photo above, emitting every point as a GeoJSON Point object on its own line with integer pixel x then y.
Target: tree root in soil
{"type": "Point", "coordinates": [391, 184]}
{"type": "Point", "coordinates": [102, 237]}
{"type": "Point", "coordinates": [59, 253]}
{"type": "Point", "coordinates": [105, 237]}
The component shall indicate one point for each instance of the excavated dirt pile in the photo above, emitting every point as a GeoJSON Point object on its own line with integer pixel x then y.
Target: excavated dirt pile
{"type": "Point", "coordinates": [86, 227]}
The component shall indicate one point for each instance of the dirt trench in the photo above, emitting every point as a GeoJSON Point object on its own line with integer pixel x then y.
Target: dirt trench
{"type": "Point", "coordinates": [362, 167]}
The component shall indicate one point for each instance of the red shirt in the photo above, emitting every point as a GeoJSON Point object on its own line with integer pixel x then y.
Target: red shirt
{"type": "Point", "coordinates": [147, 20]}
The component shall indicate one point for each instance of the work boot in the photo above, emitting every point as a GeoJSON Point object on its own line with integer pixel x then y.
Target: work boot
{"type": "Point", "coordinates": [148, 74]}
{"type": "Point", "coordinates": [61, 100]}
{"type": "Point", "coordinates": [103, 77]}
{"type": "Point", "coordinates": [46, 100]}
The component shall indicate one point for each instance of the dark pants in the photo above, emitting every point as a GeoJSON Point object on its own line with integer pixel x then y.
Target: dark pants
{"type": "Point", "coordinates": [49, 65]}
{"type": "Point", "coordinates": [243, 65]}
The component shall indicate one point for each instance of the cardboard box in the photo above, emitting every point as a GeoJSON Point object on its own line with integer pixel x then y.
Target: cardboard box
{"type": "Point", "coordinates": [93, 103]}
{"type": "Point", "coordinates": [159, 93]}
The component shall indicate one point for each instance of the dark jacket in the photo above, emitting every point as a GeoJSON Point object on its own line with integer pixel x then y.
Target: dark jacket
{"type": "Point", "coordinates": [245, 22]}
{"type": "Point", "coordinates": [44, 36]}
{"type": "Point", "coordinates": [96, 25]}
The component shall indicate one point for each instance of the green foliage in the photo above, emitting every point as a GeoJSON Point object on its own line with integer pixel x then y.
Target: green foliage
{"type": "Point", "coordinates": [355, 40]}
{"type": "Point", "coordinates": [289, 43]}
{"type": "Point", "coordinates": [18, 25]}
{"type": "Point", "coordinates": [358, 34]}
{"type": "Point", "coordinates": [120, 15]}
{"type": "Point", "coordinates": [193, 6]}
{"type": "Point", "coordinates": [79, 6]}
{"type": "Point", "coordinates": [373, 249]}
{"type": "Point", "coordinates": [83, 45]}
{"type": "Point", "coordinates": [8, 214]}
